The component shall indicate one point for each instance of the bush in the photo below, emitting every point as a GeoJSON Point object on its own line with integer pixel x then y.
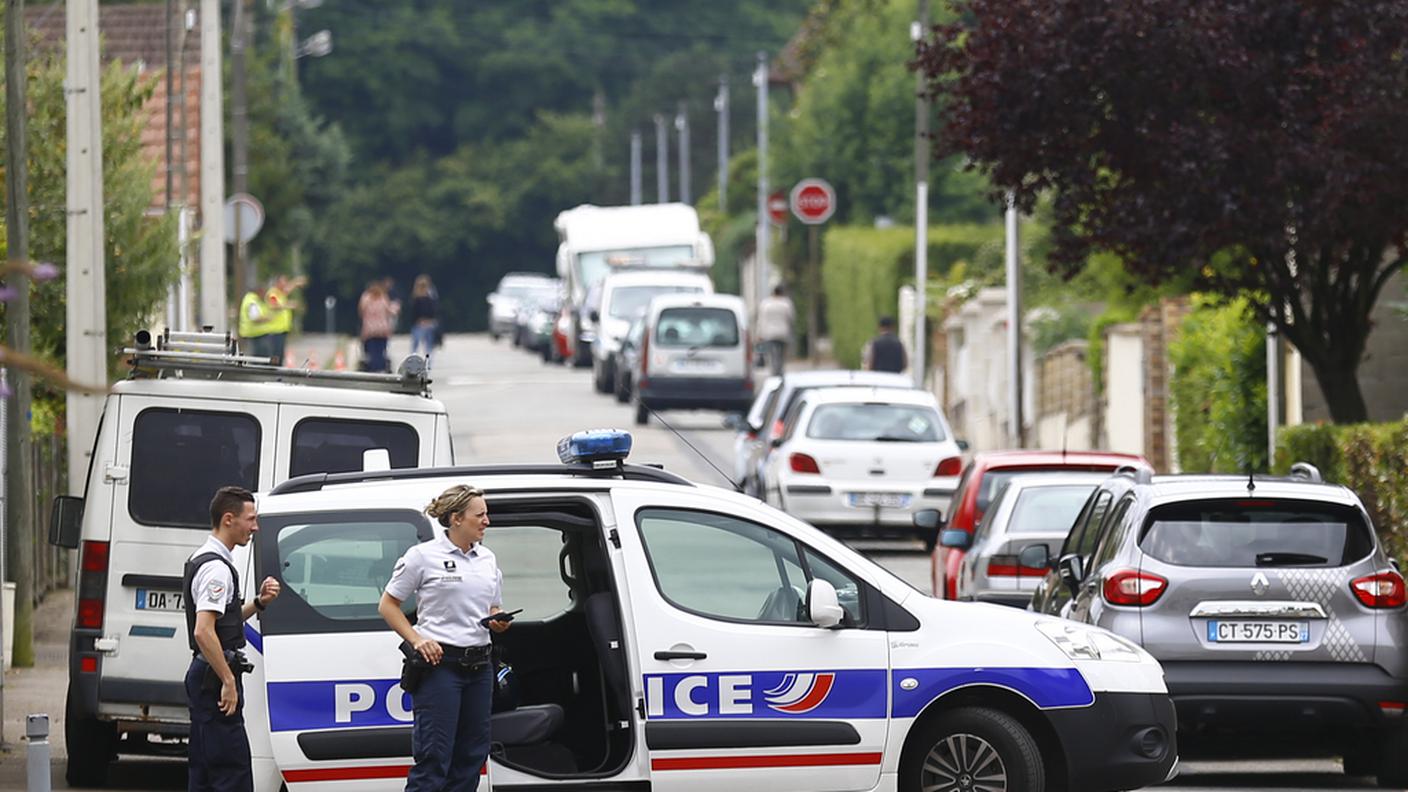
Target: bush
{"type": "Point", "coordinates": [1218, 389]}
{"type": "Point", "coordinates": [1370, 459]}
{"type": "Point", "coordinates": [863, 269]}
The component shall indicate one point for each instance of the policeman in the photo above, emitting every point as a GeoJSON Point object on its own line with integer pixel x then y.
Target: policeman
{"type": "Point", "coordinates": [215, 615]}
{"type": "Point", "coordinates": [458, 589]}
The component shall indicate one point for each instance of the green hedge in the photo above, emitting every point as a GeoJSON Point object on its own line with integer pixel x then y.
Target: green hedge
{"type": "Point", "coordinates": [1219, 388]}
{"type": "Point", "coordinates": [1371, 459]}
{"type": "Point", "coordinates": [863, 269]}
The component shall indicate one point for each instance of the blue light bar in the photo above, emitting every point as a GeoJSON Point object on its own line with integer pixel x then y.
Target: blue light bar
{"type": "Point", "coordinates": [601, 448]}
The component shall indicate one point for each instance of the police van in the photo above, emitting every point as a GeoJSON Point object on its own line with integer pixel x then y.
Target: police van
{"type": "Point", "coordinates": [677, 637]}
{"type": "Point", "coordinates": [196, 415]}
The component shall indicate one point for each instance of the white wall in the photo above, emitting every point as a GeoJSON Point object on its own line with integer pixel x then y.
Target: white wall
{"type": "Point", "coordinates": [1124, 389]}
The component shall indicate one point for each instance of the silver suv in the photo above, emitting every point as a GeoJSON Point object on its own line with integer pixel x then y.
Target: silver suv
{"type": "Point", "coordinates": [1274, 610]}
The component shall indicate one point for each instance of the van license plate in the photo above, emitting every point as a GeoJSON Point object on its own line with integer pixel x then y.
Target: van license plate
{"type": "Point", "coordinates": [148, 599]}
{"type": "Point", "coordinates": [1258, 632]}
{"type": "Point", "coordinates": [888, 500]}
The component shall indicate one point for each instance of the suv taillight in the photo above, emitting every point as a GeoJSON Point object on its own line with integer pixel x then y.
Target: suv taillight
{"type": "Point", "coordinates": [803, 463]}
{"type": "Point", "coordinates": [1383, 590]}
{"type": "Point", "coordinates": [92, 585]}
{"type": "Point", "coordinates": [1134, 588]}
{"type": "Point", "coordinates": [949, 467]}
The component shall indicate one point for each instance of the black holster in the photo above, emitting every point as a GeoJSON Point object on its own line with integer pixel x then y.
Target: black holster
{"type": "Point", "coordinates": [239, 666]}
{"type": "Point", "coordinates": [414, 668]}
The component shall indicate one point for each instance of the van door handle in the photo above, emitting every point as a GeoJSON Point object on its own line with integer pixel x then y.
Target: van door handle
{"type": "Point", "coordinates": [680, 655]}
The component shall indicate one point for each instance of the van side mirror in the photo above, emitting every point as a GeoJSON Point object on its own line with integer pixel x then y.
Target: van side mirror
{"type": "Point", "coordinates": [776, 442]}
{"type": "Point", "coordinates": [956, 538]}
{"type": "Point", "coordinates": [1072, 570]}
{"type": "Point", "coordinates": [491, 297]}
{"type": "Point", "coordinates": [823, 606]}
{"type": "Point", "coordinates": [66, 522]}
{"type": "Point", "coordinates": [1035, 556]}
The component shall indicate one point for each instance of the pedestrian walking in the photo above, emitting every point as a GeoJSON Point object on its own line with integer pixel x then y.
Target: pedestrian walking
{"type": "Point", "coordinates": [776, 316]}
{"type": "Point", "coordinates": [425, 322]}
{"type": "Point", "coordinates": [378, 314]}
{"type": "Point", "coordinates": [218, 746]}
{"type": "Point", "coordinates": [256, 322]}
{"type": "Point", "coordinates": [885, 352]}
{"type": "Point", "coordinates": [448, 668]}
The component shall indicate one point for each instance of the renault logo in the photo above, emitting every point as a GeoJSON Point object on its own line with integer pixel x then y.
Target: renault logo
{"type": "Point", "coordinates": [1260, 584]}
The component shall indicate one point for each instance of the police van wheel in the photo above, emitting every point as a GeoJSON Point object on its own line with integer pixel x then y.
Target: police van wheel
{"type": "Point", "coordinates": [976, 749]}
{"type": "Point", "coordinates": [92, 744]}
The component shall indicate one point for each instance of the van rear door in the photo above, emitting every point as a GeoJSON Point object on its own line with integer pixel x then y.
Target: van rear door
{"type": "Point", "coordinates": [171, 456]}
{"type": "Point", "coordinates": [331, 439]}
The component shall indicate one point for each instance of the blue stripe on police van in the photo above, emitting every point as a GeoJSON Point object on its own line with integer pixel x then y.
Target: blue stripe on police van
{"type": "Point", "coordinates": [1048, 688]}
{"type": "Point", "coordinates": [296, 706]}
{"type": "Point", "coordinates": [254, 639]}
{"type": "Point", "coordinates": [853, 693]}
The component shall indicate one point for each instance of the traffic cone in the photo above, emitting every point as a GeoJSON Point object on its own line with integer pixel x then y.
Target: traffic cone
{"type": "Point", "coordinates": [339, 361]}
{"type": "Point", "coordinates": [289, 360]}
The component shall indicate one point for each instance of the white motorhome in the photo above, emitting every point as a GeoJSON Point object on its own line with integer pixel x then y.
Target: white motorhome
{"type": "Point", "coordinates": [594, 240]}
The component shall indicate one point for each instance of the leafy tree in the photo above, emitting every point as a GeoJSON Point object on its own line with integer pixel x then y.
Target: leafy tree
{"type": "Point", "coordinates": [140, 250]}
{"type": "Point", "coordinates": [1255, 145]}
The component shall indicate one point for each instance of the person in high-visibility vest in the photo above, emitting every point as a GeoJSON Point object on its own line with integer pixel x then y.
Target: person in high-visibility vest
{"type": "Point", "coordinates": [256, 323]}
{"type": "Point", "coordinates": [281, 305]}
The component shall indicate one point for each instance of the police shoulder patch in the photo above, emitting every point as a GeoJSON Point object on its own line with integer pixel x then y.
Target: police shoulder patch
{"type": "Point", "coordinates": [215, 592]}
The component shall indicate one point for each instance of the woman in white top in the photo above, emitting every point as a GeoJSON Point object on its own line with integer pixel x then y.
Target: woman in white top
{"type": "Point", "coordinates": [458, 586]}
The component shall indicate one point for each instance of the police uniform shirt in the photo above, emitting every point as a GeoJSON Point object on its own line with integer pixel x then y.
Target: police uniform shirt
{"type": "Point", "coordinates": [212, 586]}
{"type": "Point", "coordinates": [454, 589]}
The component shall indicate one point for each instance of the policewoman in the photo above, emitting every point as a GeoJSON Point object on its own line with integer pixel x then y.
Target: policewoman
{"type": "Point", "coordinates": [458, 587]}
{"type": "Point", "coordinates": [215, 614]}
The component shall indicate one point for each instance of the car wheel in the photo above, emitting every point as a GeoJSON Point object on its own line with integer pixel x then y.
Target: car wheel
{"type": "Point", "coordinates": [1392, 771]}
{"type": "Point", "coordinates": [974, 748]}
{"type": "Point", "coordinates": [623, 388]}
{"type": "Point", "coordinates": [92, 744]}
{"type": "Point", "coordinates": [546, 352]}
{"type": "Point", "coordinates": [599, 378]}
{"type": "Point", "coordinates": [642, 416]}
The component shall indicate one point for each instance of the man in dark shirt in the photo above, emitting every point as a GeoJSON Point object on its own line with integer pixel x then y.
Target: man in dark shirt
{"type": "Point", "coordinates": [885, 352]}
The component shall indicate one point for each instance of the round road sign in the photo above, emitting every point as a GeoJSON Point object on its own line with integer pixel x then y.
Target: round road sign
{"type": "Point", "coordinates": [813, 201]}
{"type": "Point", "coordinates": [777, 208]}
{"type": "Point", "coordinates": [251, 217]}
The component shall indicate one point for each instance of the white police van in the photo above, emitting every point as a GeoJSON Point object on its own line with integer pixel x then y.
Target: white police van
{"type": "Point", "coordinates": [679, 637]}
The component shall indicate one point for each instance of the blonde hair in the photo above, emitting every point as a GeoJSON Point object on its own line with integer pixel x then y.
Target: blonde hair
{"type": "Point", "coordinates": [452, 501]}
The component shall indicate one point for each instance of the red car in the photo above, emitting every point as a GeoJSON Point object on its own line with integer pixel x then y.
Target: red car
{"type": "Point", "coordinates": [981, 481]}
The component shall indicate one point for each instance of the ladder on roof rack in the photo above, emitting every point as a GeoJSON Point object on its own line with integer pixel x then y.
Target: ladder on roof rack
{"type": "Point", "coordinates": [216, 356]}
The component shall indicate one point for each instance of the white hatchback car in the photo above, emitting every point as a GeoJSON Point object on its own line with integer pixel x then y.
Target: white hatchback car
{"type": "Point", "coordinates": [862, 460]}
{"type": "Point", "coordinates": [678, 637]}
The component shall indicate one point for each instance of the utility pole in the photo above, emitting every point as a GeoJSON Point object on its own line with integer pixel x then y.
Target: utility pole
{"type": "Point", "coordinates": [86, 347]}
{"type": "Point", "coordinates": [662, 161]}
{"type": "Point", "coordinates": [721, 106]}
{"type": "Point", "coordinates": [19, 523]}
{"type": "Point", "coordinates": [635, 168]}
{"type": "Point", "coordinates": [921, 208]}
{"type": "Point", "coordinates": [682, 126]}
{"type": "Point", "coordinates": [1014, 327]}
{"type": "Point", "coordinates": [239, 142]}
{"type": "Point", "coordinates": [760, 260]}
{"type": "Point", "coordinates": [213, 299]}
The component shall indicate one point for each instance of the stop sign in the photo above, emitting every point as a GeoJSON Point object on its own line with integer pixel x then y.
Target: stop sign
{"type": "Point", "coordinates": [777, 208]}
{"type": "Point", "coordinates": [813, 201]}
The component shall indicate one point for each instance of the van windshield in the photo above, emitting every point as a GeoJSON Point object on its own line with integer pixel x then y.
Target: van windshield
{"type": "Point", "coordinates": [1252, 532]}
{"type": "Point", "coordinates": [696, 326]}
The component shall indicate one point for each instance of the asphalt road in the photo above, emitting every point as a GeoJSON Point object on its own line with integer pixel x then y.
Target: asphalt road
{"type": "Point", "coordinates": [507, 406]}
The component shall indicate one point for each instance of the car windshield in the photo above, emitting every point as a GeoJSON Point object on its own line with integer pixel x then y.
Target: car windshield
{"type": "Point", "coordinates": [1048, 509]}
{"type": "Point", "coordinates": [628, 302]}
{"type": "Point", "coordinates": [527, 291]}
{"type": "Point", "coordinates": [695, 326]}
{"type": "Point", "coordinates": [876, 421]}
{"type": "Point", "coordinates": [1253, 532]}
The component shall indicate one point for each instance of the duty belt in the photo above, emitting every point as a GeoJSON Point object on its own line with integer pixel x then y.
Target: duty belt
{"type": "Point", "coordinates": [467, 654]}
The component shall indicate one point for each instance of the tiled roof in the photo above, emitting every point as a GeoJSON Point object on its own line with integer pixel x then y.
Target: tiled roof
{"type": "Point", "coordinates": [134, 34]}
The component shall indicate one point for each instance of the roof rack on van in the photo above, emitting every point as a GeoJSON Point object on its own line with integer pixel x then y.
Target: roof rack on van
{"type": "Point", "coordinates": [1141, 475]}
{"type": "Point", "coordinates": [211, 355]}
{"type": "Point", "coordinates": [313, 482]}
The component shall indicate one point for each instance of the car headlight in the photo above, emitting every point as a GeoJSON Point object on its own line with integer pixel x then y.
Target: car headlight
{"type": "Point", "coordinates": [1079, 642]}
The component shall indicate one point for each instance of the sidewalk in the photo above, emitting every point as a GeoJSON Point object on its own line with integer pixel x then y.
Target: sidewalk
{"type": "Point", "coordinates": [41, 689]}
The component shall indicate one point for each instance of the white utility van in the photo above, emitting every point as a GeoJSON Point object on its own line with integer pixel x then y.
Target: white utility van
{"type": "Point", "coordinates": [194, 416]}
{"type": "Point", "coordinates": [625, 296]}
{"type": "Point", "coordinates": [678, 637]}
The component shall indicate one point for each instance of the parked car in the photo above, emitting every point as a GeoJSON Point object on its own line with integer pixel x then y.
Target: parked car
{"type": "Point", "coordinates": [861, 461]}
{"type": "Point", "coordinates": [745, 437]}
{"type": "Point", "coordinates": [1278, 618]}
{"type": "Point", "coordinates": [1014, 544]}
{"type": "Point", "coordinates": [626, 295]}
{"type": "Point", "coordinates": [981, 481]}
{"type": "Point", "coordinates": [628, 361]}
{"type": "Point", "coordinates": [753, 448]}
{"type": "Point", "coordinates": [693, 354]}
{"type": "Point", "coordinates": [504, 300]}
{"type": "Point", "coordinates": [535, 321]}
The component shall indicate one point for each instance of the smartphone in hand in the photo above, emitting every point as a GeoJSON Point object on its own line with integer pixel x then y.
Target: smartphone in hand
{"type": "Point", "coordinates": [501, 616]}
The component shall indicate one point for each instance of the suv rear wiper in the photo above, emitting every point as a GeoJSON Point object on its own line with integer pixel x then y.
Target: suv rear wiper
{"type": "Point", "coordinates": [894, 439]}
{"type": "Point", "coordinates": [1288, 559]}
